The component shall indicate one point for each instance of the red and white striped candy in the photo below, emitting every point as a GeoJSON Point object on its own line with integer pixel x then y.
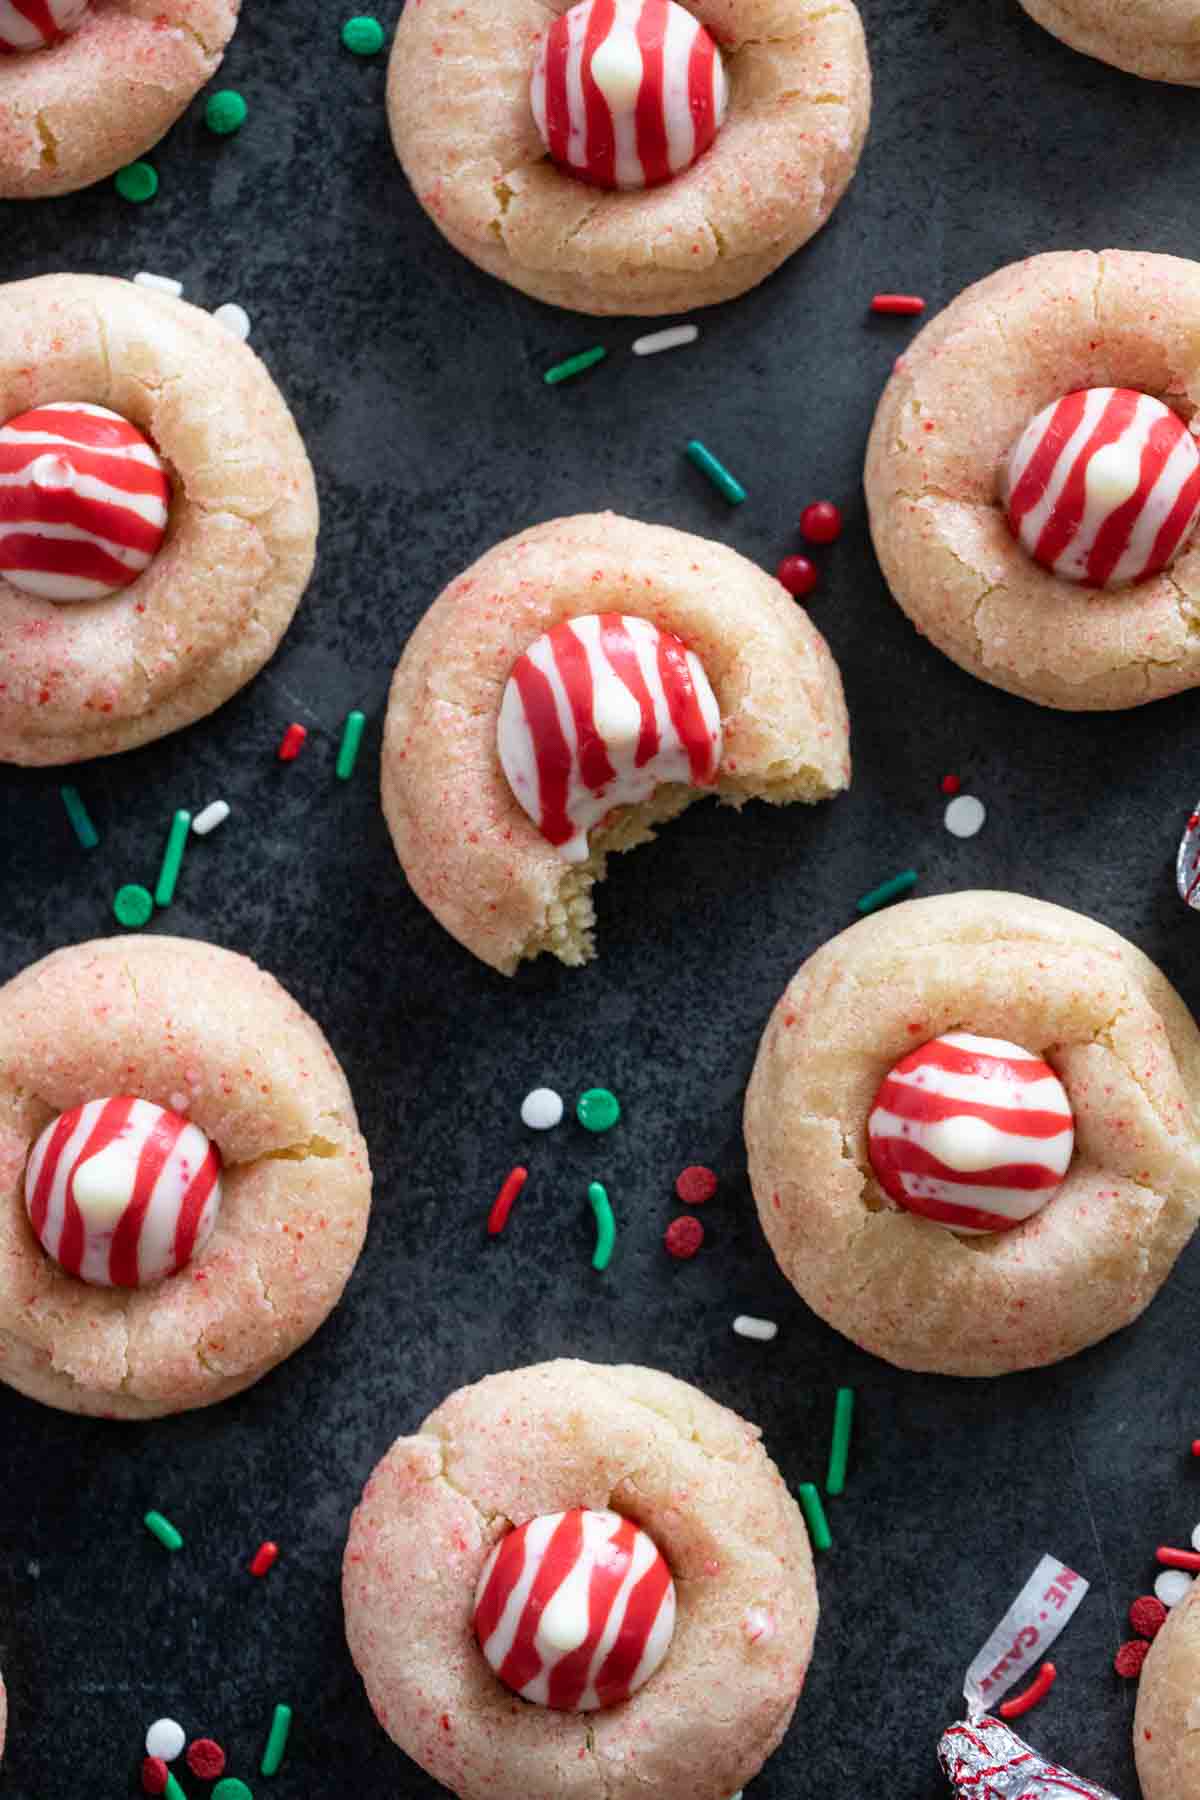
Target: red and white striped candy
{"type": "Point", "coordinates": [596, 714]}
{"type": "Point", "coordinates": [83, 502]}
{"type": "Point", "coordinates": [32, 24]}
{"type": "Point", "coordinates": [122, 1192]}
{"type": "Point", "coordinates": [973, 1132]}
{"type": "Point", "coordinates": [1103, 487]}
{"type": "Point", "coordinates": [627, 93]}
{"type": "Point", "coordinates": [575, 1610]}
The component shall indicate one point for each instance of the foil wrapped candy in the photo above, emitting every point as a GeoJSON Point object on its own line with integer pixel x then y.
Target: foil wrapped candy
{"type": "Point", "coordinates": [987, 1761]}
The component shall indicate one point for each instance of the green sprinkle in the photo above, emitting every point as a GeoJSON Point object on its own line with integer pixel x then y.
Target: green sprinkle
{"type": "Point", "coordinates": [226, 112]}
{"type": "Point", "coordinates": [281, 1724]}
{"type": "Point", "coordinates": [888, 891]}
{"type": "Point", "coordinates": [78, 814]}
{"type": "Point", "coordinates": [231, 1789]}
{"type": "Point", "coordinates": [606, 1227]}
{"type": "Point", "coordinates": [574, 365]}
{"type": "Point", "coordinates": [163, 1530]}
{"type": "Point", "coordinates": [839, 1450]}
{"type": "Point", "coordinates": [598, 1110]}
{"type": "Point", "coordinates": [168, 875]}
{"type": "Point", "coordinates": [814, 1516]}
{"type": "Point", "coordinates": [137, 182]}
{"type": "Point", "coordinates": [347, 754]}
{"type": "Point", "coordinates": [717, 473]}
{"type": "Point", "coordinates": [363, 35]}
{"type": "Point", "coordinates": [133, 907]}
{"type": "Point", "coordinates": [173, 1791]}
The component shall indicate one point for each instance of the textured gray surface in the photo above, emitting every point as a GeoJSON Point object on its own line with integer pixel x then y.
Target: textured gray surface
{"type": "Point", "coordinates": [416, 384]}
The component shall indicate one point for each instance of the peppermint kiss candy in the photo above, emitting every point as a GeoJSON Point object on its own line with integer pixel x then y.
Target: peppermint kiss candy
{"type": "Point", "coordinates": [83, 502]}
{"type": "Point", "coordinates": [987, 1761]}
{"type": "Point", "coordinates": [595, 715]}
{"type": "Point", "coordinates": [32, 24]}
{"type": "Point", "coordinates": [121, 1192]}
{"type": "Point", "coordinates": [973, 1132]}
{"type": "Point", "coordinates": [1103, 487]}
{"type": "Point", "coordinates": [627, 93]}
{"type": "Point", "coordinates": [575, 1610]}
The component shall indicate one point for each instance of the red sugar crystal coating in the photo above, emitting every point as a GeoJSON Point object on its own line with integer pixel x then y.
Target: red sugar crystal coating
{"type": "Point", "coordinates": [1130, 1657]}
{"type": "Point", "coordinates": [1147, 1615]}
{"type": "Point", "coordinates": [683, 1237]}
{"type": "Point", "coordinates": [695, 1185]}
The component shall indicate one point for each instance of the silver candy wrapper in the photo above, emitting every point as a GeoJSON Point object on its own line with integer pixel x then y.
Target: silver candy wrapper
{"type": "Point", "coordinates": [987, 1761]}
{"type": "Point", "coordinates": [1187, 863]}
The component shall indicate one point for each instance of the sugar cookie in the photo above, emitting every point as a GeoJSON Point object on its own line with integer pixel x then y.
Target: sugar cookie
{"type": "Point", "coordinates": [1071, 994]}
{"type": "Point", "coordinates": [1164, 1724]}
{"type": "Point", "coordinates": [1159, 39]}
{"type": "Point", "coordinates": [500, 866]}
{"type": "Point", "coordinates": [656, 1459]}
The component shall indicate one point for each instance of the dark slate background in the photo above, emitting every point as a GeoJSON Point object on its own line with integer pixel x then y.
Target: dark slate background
{"type": "Point", "coordinates": [416, 383]}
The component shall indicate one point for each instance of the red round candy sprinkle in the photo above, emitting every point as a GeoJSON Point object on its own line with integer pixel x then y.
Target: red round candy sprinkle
{"type": "Point", "coordinates": [695, 1185]}
{"type": "Point", "coordinates": [206, 1759]}
{"type": "Point", "coordinates": [683, 1237]}
{"type": "Point", "coordinates": [1130, 1657]}
{"type": "Point", "coordinates": [797, 575]}
{"type": "Point", "coordinates": [154, 1775]}
{"type": "Point", "coordinates": [951, 784]}
{"type": "Point", "coordinates": [821, 522]}
{"type": "Point", "coordinates": [1147, 1615]}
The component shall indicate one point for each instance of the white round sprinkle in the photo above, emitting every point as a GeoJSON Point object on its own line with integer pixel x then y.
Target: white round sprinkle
{"type": "Point", "coordinates": [672, 339]}
{"type": "Point", "coordinates": [1196, 1537]}
{"type": "Point", "coordinates": [761, 1329]}
{"type": "Point", "coordinates": [214, 814]}
{"type": "Point", "coordinates": [165, 1738]}
{"type": "Point", "coordinates": [235, 318]}
{"type": "Point", "coordinates": [965, 815]}
{"type": "Point", "coordinates": [162, 284]}
{"type": "Point", "coordinates": [1172, 1585]}
{"type": "Point", "coordinates": [542, 1109]}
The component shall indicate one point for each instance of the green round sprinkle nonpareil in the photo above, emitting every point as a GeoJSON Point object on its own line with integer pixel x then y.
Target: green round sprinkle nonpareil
{"type": "Point", "coordinates": [133, 906]}
{"type": "Point", "coordinates": [231, 1789]}
{"type": "Point", "coordinates": [598, 1110]}
{"type": "Point", "coordinates": [363, 35]}
{"type": "Point", "coordinates": [137, 182]}
{"type": "Point", "coordinates": [225, 112]}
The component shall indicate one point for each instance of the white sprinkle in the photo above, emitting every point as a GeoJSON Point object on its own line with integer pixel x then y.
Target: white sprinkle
{"type": "Point", "coordinates": [762, 1329]}
{"type": "Point", "coordinates": [965, 816]}
{"type": "Point", "coordinates": [235, 318]}
{"type": "Point", "coordinates": [542, 1109]}
{"type": "Point", "coordinates": [671, 339]}
{"type": "Point", "coordinates": [165, 1738]}
{"type": "Point", "coordinates": [759, 1625]}
{"type": "Point", "coordinates": [1196, 1537]}
{"type": "Point", "coordinates": [1172, 1585]}
{"type": "Point", "coordinates": [214, 814]}
{"type": "Point", "coordinates": [162, 284]}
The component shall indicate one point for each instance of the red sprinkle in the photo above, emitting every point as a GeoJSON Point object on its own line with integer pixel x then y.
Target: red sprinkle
{"type": "Point", "coordinates": [683, 1237]}
{"type": "Point", "coordinates": [265, 1557]}
{"type": "Point", "coordinates": [1192, 824]}
{"type": "Point", "coordinates": [292, 743]}
{"type": "Point", "coordinates": [1147, 1615]}
{"type": "Point", "coordinates": [1037, 1690]}
{"type": "Point", "coordinates": [898, 303]}
{"type": "Point", "coordinates": [154, 1775]}
{"type": "Point", "coordinates": [503, 1203]}
{"type": "Point", "coordinates": [206, 1759]}
{"type": "Point", "coordinates": [1178, 1559]}
{"type": "Point", "coordinates": [695, 1185]}
{"type": "Point", "coordinates": [951, 784]}
{"type": "Point", "coordinates": [1196, 1446]}
{"type": "Point", "coordinates": [797, 575]}
{"type": "Point", "coordinates": [1130, 1657]}
{"type": "Point", "coordinates": [821, 523]}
